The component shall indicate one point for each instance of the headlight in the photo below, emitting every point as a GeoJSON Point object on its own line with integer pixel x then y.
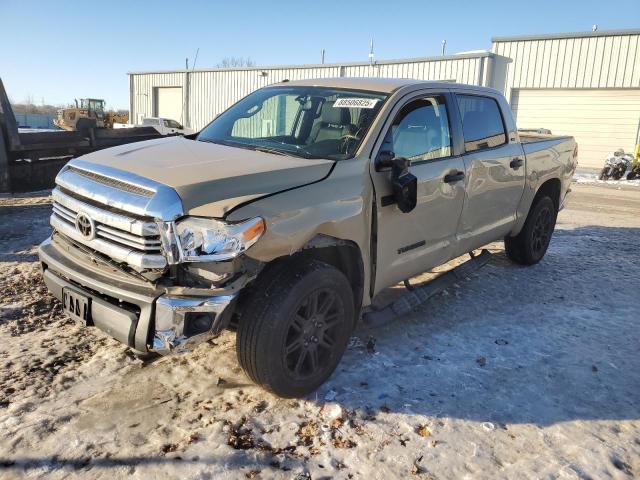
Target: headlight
{"type": "Point", "coordinates": [206, 239]}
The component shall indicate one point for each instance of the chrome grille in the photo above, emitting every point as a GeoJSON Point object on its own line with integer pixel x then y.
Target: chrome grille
{"type": "Point", "coordinates": [123, 238]}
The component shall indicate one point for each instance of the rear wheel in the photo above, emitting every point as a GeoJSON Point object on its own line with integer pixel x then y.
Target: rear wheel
{"type": "Point", "coordinates": [530, 245]}
{"type": "Point", "coordinates": [295, 327]}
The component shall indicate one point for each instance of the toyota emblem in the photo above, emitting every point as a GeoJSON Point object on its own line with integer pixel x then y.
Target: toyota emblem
{"type": "Point", "coordinates": [84, 225]}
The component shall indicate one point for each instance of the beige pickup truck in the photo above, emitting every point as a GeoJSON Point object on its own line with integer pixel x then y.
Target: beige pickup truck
{"type": "Point", "coordinates": [291, 211]}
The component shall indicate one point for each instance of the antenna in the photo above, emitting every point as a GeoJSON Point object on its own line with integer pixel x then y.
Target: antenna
{"type": "Point", "coordinates": [195, 59]}
{"type": "Point", "coordinates": [444, 46]}
{"type": "Point", "coordinates": [371, 54]}
{"type": "Point", "coordinates": [186, 63]}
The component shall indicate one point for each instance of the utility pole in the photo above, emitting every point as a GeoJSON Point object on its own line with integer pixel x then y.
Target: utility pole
{"type": "Point", "coordinates": [371, 52]}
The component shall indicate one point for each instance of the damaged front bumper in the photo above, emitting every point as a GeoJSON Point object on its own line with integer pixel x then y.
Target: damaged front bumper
{"type": "Point", "coordinates": [181, 322]}
{"type": "Point", "coordinates": [145, 317]}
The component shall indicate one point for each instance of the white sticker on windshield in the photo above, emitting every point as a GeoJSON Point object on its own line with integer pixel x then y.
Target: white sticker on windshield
{"type": "Point", "coordinates": [355, 103]}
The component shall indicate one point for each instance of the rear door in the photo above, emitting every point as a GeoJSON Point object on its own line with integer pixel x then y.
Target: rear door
{"type": "Point", "coordinates": [420, 129]}
{"type": "Point", "coordinates": [495, 168]}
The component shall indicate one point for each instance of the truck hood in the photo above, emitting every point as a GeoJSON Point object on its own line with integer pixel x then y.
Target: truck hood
{"type": "Point", "coordinates": [211, 179]}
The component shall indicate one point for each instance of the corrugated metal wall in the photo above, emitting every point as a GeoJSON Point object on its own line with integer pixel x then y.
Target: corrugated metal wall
{"type": "Point", "coordinates": [597, 60]}
{"type": "Point", "coordinates": [209, 92]}
{"type": "Point", "coordinates": [586, 85]}
{"type": "Point", "coordinates": [212, 92]}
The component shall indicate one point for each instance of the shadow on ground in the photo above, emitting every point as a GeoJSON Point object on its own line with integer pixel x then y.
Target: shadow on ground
{"type": "Point", "coordinates": [551, 343]}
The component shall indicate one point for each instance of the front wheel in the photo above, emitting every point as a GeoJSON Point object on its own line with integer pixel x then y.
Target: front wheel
{"type": "Point", "coordinates": [530, 245]}
{"type": "Point", "coordinates": [295, 327]}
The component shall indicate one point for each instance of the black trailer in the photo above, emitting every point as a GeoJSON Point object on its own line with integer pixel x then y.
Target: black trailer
{"type": "Point", "coordinates": [30, 161]}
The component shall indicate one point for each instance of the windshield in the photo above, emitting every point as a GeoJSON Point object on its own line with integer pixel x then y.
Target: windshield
{"type": "Point", "coordinates": [310, 122]}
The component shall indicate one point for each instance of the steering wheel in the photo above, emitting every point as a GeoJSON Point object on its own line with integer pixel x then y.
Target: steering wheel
{"type": "Point", "coordinates": [345, 141]}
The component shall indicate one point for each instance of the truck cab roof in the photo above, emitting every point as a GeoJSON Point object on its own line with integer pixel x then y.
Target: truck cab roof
{"type": "Point", "coordinates": [378, 84]}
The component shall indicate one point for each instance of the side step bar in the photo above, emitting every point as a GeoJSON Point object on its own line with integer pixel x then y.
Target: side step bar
{"type": "Point", "coordinates": [418, 295]}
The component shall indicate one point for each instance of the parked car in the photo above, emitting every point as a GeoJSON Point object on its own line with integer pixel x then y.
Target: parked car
{"type": "Point", "coordinates": [165, 126]}
{"type": "Point", "coordinates": [291, 211]}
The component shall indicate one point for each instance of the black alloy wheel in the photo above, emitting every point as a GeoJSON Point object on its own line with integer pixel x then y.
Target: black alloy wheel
{"type": "Point", "coordinates": [542, 230]}
{"type": "Point", "coordinates": [313, 333]}
{"type": "Point", "coordinates": [294, 326]}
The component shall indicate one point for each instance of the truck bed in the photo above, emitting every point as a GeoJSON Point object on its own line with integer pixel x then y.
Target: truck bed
{"type": "Point", "coordinates": [532, 136]}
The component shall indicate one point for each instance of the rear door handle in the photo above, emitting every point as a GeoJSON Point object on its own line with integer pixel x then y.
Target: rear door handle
{"type": "Point", "coordinates": [454, 177]}
{"type": "Point", "coordinates": [516, 163]}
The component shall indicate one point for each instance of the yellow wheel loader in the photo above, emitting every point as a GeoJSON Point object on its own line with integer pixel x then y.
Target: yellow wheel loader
{"type": "Point", "coordinates": [88, 113]}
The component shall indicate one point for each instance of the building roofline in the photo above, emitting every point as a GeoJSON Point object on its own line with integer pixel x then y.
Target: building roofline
{"type": "Point", "coordinates": [326, 65]}
{"type": "Point", "coordinates": [553, 36]}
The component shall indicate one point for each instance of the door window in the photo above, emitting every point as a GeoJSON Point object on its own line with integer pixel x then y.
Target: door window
{"type": "Point", "coordinates": [420, 131]}
{"type": "Point", "coordinates": [482, 124]}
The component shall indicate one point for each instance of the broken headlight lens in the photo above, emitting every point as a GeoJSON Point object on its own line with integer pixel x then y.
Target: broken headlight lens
{"type": "Point", "coordinates": [206, 239]}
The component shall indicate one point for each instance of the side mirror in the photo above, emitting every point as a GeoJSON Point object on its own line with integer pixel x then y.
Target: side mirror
{"type": "Point", "coordinates": [404, 183]}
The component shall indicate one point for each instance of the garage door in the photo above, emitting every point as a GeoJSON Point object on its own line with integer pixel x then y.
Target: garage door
{"type": "Point", "coordinates": [601, 120]}
{"type": "Point", "coordinates": [169, 103]}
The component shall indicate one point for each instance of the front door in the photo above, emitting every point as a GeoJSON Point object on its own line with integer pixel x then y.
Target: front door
{"type": "Point", "coordinates": [494, 163]}
{"type": "Point", "coordinates": [410, 243]}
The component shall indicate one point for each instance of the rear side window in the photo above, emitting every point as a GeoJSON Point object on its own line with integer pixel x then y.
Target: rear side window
{"type": "Point", "coordinates": [482, 124]}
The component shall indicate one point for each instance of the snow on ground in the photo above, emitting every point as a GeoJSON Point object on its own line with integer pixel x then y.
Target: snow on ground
{"type": "Point", "coordinates": [591, 177]}
{"type": "Point", "coordinates": [514, 373]}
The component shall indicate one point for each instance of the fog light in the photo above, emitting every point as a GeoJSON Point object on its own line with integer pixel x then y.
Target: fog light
{"type": "Point", "coordinates": [197, 322]}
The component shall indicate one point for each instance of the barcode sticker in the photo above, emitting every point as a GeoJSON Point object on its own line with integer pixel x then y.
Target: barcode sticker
{"type": "Point", "coordinates": [355, 103]}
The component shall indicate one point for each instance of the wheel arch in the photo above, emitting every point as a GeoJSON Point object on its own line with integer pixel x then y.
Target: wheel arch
{"type": "Point", "coordinates": [344, 255]}
{"type": "Point", "coordinates": [550, 188]}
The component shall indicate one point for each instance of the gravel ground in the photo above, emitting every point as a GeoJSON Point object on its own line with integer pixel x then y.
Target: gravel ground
{"type": "Point", "coordinates": [514, 373]}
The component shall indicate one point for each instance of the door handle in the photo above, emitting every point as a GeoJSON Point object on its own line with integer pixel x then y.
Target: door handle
{"type": "Point", "coordinates": [454, 177]}
{"type": "Point", "coordinates": [516, 163]}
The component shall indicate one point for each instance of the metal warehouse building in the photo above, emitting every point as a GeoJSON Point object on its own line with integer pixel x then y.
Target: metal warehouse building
{"type": "Point", "coordinates": [586, 85]}
{"type": "Point", "coordinates": [581, 84]}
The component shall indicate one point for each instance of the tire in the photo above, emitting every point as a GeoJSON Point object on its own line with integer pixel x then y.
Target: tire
{"type": "Point", "coordinates": [279, 315]}
{"type": "Point", "coordinates": [632, 175]}
{"type": "Point", "coordinates": [617, 174]}
{"type": "Point", "coordinates": [604, 174]}
{"type": "Point", "coordinates": [530, 245]}
{"type": "Point", "coordinates": [84, 125]}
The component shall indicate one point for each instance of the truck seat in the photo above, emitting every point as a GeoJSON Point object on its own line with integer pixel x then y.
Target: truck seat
{"type": "Point", "coordinates": [334, 123]}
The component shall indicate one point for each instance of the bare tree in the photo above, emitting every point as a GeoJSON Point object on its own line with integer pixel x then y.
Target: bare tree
{"type": "Point", "coordinates": [233, 62]}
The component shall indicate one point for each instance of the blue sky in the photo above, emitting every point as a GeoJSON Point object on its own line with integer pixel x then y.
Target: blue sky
{"type": "Point", "coordinates": [60, 50]}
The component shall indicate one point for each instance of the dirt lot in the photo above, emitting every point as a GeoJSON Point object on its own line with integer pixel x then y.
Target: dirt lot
{"type": "Point", "coordinates": [513, 373]}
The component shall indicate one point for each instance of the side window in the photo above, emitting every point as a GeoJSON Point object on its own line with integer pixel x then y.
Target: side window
{"type": "Point", "coordinates": [420, 131]}
{"type": "Point", "coordinates": [482, 124]}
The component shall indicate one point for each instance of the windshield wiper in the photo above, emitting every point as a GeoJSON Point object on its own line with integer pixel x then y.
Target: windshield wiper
{"type": "Point", "coordinates": [259, 148]}
{"type": "Point", "coordinates": [268, 150]}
